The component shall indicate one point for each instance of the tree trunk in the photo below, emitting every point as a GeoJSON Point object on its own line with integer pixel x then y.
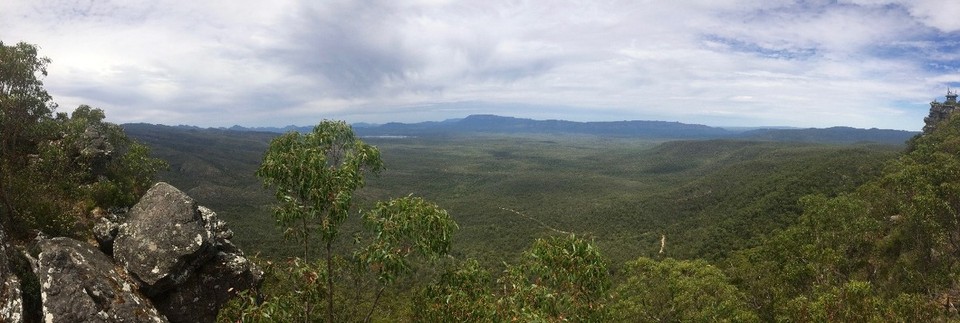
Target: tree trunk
{"type": "Point", "coordinates": [306, 241]}
{"type": "Point", "coordinates": [374, 306]}
{"type": "Point", "coordinates": [329, 282]}
{"type": "Point", "coordinates": [307, 307]}
{"type": "Point", "coordinates": [6, 218]}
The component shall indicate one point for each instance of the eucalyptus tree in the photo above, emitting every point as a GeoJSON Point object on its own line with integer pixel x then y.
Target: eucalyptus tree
{"type": "Point", "coordinates": [403, 228]}
{"type": "Point", "coordinates": [560, 278]}
{"type": "Point", "coordinates": [24, 104]}
{"type": "Point", "coordinates": [55, 170]}
{"type": "Point", "coordinates": [671, 290]}
{"type": "Point", "coordinates": [400, 230]}
{"type": "Point", "coordinates": [316, 175]}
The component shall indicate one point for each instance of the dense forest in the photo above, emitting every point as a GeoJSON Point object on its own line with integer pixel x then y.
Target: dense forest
{"type": "Point", "coordinates": [770, 228]}
{"type": "Point", "coordinates": [495, 226]}
{"type": "Point", "coordinates": [717, 203]}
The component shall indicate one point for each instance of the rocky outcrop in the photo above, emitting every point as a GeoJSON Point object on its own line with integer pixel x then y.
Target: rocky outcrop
{"type": "Point", "coordinates": [207, 289]}
{"type": "Point", "coordinates": [940, 111]}
{"type": "Point", "coordinates": [107, 228]}
{"type": "Point", "coordinates": [172, 261]}
{"type": "Point", "coordinates": [11, 303]}
{"type": "Point", "coordinates": [78, 283]}
{"type": "Point", "coordinates": [97, 149]}
{"type": "Point", "coordinates": [164, 240]}
{"type": "Point", "coordinates": [182, 256]}
{"type": "Point", "coordinates": [200, 298]}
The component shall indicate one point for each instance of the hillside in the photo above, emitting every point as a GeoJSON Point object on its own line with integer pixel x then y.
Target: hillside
{"type": "Point", "coordinates": [216, 168]}
{"type": "Point", "coordinates": [623, 192]}
{"type": "Point", "coordinates": [747, 209]}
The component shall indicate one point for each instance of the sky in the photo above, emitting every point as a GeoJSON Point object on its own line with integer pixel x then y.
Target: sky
{"type": "Point", "coordinates": [859, 63]}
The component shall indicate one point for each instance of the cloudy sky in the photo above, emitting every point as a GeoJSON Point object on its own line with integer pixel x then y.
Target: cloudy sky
{"type": "Point", "coordinates": [862, 63]}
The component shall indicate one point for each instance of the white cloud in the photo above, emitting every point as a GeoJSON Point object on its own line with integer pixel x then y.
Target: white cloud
{"type": "Point", "coordinates": [938, 14]}
{"type": "Point", "coordinates": [801, 63]}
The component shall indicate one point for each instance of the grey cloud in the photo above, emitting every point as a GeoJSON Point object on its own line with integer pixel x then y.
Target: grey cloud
{"type": "Point", "coordinates": [286, 61]}
{"type": "Point", "coordinates": [785, 51]}
{"type": "Point", "coordinates": [349, 45]}
{"type": "Point", "coordinates": [512, 72]}
{"type": "Point", "coordinates": [379, 48]}
{"type": "Point", "coordinates": [68, 12]}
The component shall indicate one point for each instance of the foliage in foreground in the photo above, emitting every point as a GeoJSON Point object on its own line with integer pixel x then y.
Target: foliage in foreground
{"type": "Point", "coordinates": [400, 229]}
{"type": "Point", "coordinates": [290, 289]}
{"type": "Point", "coordinates": [673, 290]}
{"type": "Point", "coordinates": [887, 251]}
{"type": "Point", "coordinates": [55, 169]}
{"type": "Point", "coordinates": [560, 278]}
{"type": "Point", "coordinates": [315, 176]}
{"type": "Point", "coordinates": [58, 172]}
{"type": "Point", "coordinates": [566, 279]}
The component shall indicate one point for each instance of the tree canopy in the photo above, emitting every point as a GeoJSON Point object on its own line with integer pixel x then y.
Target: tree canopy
{"type": "Point", "coordinates": [57, 169]}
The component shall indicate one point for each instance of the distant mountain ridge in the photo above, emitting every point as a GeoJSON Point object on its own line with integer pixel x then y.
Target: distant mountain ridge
{"type": "Point", "coordinates": [486, 123]}
{"type": "Point", "coordinates": [833, 135]}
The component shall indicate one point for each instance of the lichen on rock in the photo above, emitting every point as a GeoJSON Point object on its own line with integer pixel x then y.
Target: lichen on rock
{"type": "Point", "coordinates": [78, 283]}
{"type": "Point", "coordinates": [11, 300]}
{"type": "Point", "coordinates": [163, 240]}
{"type": "Point", "coordinates": [182, 256]}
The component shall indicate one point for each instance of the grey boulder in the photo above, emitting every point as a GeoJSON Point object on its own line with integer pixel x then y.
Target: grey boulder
{"type": "Point", "coordinates": [163, 240]}
{"type": "Point", "coordinates": [200, 298]}
{"type": "Point", "coordinates": [80, 284]}
{"type": "Point", "coordinates": [182, 255]}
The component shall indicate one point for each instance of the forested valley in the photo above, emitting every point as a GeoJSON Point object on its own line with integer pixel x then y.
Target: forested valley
{"type": "Point", "coordinates": [682, 230]}
{"type": "Point", "coordinates": [513, 226]}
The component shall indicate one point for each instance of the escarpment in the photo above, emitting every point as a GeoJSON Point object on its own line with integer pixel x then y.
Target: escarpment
{"type": "Point", "coordinates": [940, 111]}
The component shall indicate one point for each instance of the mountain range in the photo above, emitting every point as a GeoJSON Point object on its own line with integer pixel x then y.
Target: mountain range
{"type": "Point", "coordinates": [474, 124]}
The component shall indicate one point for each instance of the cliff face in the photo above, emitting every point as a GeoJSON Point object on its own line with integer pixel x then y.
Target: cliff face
{"type": "Point", "coordinates": [169, 259]}
{"type": "Point", "coordinates": [940, 111]}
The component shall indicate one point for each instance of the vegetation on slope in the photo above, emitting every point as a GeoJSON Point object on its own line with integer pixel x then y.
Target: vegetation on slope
{"type": "Point", "coordinates": [55, 169]}
{"type": "Point", "coordinates": [619, 229]}
{"type": "Point", "coordinates": [58, 172]}
{"type": "Point", "coordinates": [885, 251]}
{"type": "Point", "coordinates": [506, 190]}
{"type": "Point", "coordinates": [785, 170]}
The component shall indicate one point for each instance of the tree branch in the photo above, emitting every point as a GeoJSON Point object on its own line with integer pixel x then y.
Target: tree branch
{"type": "Point", "coordinates": [374, 306]}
